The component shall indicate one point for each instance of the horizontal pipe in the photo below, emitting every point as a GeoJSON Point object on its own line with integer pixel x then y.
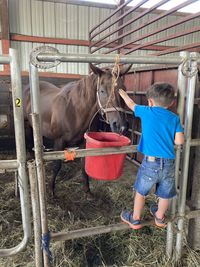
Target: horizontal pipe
{"type": "Point", "coordinates": [4, 59]}
{"type": "Point", "coordinates": [88, 58]}
{"type": "Point", "coordinates": [136, 92]}
{"type": "Point", "coordinates": [55, 155]}
{"type": "Point", "coordinates": [80, 233]}
{"type": "Point", "coordinates": [62, 236]}
{"type": "Point", "coordinates": [195, 142]}
{"type": "Point", "coordinates": [9, 164]}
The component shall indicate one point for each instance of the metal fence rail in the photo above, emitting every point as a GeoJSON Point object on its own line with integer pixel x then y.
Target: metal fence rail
{"type": "Point", "coordinates": [20, 162]}
{"type": "Point", "coordinates": [187, 68]}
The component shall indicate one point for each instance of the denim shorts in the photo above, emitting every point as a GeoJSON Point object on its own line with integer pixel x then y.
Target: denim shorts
{"type": "Point", "coordinates": [159, 172]}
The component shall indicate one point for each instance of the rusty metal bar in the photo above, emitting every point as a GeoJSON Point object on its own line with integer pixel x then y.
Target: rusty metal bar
{"type": "Point", "coordinates": [112, 14]}
{"type": "Point", "coordinates": [36, 213]}
{"type": "Point", "coordinates": [177, 49]}
{"type": "Point", "coordinates": [186, 153]}
{"type": "Point", "coordinates": [80, 233]}
{"type": "Point", "coordinates": [169, 37]}
{"type": "Point", "coordinates": [118, 19]}
{"type": "Point", "coordinates": [38, 146]}
{"type": "Point", "coordinates": [164, 14]}
{"type": "Point", "coordinates": [124, 25]}
{"type": "Point", "coordinates": [55, 155]}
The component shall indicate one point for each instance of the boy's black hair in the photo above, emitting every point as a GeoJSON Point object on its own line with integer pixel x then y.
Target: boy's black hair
{"type": "Point", "coordinates": [162, 93]}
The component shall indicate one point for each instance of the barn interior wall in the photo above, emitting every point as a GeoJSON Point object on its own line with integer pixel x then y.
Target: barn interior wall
{"type": "Point", "coordinates": [71, 21]}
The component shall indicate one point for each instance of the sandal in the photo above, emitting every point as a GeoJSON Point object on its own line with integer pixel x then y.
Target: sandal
{"type": "Point", "coordinates": [127, 217]}
{"type": "Point", "coordinates": [158, 222]}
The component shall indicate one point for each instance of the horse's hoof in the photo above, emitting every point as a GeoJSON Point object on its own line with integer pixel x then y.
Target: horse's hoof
{"type": "Point", "coordinates": [90, 196]}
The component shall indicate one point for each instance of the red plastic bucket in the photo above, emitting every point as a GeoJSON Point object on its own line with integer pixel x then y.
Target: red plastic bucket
{"type": "Point", "coordinates": [108, 167]}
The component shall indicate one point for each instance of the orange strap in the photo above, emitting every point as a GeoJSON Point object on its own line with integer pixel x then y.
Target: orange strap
{"type": "Point", "coordinates": [69, 154]}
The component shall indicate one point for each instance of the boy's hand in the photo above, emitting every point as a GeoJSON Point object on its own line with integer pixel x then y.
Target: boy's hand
{"type": "Point", "coordinates": [129, 102]}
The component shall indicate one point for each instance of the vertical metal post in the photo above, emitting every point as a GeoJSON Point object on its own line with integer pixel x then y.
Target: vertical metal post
{"type": "Point", "coordinates": [34, 89]}
{"type": "Point", "coordinates": [181, 102]}
{"type": "Point", "coordinates": [21, 153]}
{"type": "Point", "coordinates": [38, 149]}
{"type": "Point", "coordinates": [36, 213]}
{"type": "Point", "coordinates": [186, 153]}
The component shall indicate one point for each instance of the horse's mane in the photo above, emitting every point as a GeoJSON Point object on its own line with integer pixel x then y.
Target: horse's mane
{"type": "Point", "coordinates": [82, 86]}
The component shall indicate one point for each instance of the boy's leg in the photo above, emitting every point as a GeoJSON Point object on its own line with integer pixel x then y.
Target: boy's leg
{"type": "Point", "coordinates": [163, 205]}
{"type": "Point", "coordinates": [158, 211]}
{"type": "Point", "coordinates": [133, 218]}
{"type": "Point", "coordinates": [139, 202]}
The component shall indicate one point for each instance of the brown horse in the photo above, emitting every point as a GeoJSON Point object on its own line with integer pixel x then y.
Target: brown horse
{"type": "Point", "coordinates": [67, 112]}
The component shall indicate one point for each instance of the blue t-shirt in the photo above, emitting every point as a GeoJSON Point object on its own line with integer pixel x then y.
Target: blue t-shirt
{"type": "Point", "coordinates": [159, 127]}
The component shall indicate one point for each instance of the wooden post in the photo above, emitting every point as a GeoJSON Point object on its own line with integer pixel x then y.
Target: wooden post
{"type": "Point", "coordinates": [5, 31]}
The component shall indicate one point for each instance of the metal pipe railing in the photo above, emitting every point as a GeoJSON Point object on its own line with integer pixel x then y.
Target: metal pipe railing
{"type": "Point", "coordinates": [38, 150]}
{"type": "Point", "coordinates": [180, 48]}
{"type": "Point", "coordinates": [166, 27]}
{"type": "Point", "coordinates": [111, 15]}
{"type": "Point", "coordinates": [187, 134]}
{"type": "Point", "coordinates": [88, 58]}
{"type": "Point", "coordinates": [163, 39]}
{"type": "Point", "coordinates": [118, 19]}
{"type": "Point", "coordinates": [142, 25]}
{"type": "Point", "coordinates": [82, 153]}
{"type": "Point", "coordinates": [21, 153]}
{"type": "Point", "coordinates": [181, 85]}
{"type": "Point", "coordinates": [91, 231]}
{"type": "Point", "coordinates": [36, 213]}
{"type": "Point", "coordinates": [139, 16]}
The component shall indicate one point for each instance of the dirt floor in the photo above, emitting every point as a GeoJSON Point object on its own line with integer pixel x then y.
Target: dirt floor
{"type": "Point", "coordinates": [71, 210]}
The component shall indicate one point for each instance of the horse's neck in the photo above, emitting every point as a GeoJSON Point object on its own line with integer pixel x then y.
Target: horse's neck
{"type": "Point", "coordinates": [90, 89]}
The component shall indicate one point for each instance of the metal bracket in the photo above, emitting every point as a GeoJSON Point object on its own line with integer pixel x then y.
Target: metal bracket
{"type": "Point", "coordinates": [43, 49]}
{"type": "Point", "coordinates": [187, 69]}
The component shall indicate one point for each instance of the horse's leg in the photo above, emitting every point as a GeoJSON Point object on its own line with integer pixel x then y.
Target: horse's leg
{"type": "Point", "coordinates": [56, 168]}
{"type": "Point", "coordinates": [85, 180]}
{"type": "Point", "coordinates": [58, 145]}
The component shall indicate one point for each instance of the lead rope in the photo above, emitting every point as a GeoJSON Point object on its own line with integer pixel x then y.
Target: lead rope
{"type": "Point", "coordinates": [115, 76]}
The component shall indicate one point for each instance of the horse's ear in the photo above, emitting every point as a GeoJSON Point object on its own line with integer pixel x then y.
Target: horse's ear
{"type": "Point", "coordinates": [125, 70]}
{"type": "Point", "coordinates": [96, 70]}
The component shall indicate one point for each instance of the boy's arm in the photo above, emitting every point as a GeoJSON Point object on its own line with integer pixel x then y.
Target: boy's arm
{"type": "Point", "coordinates": [129, 102]}
{"type": "Point", "coordinates": [179, 138]}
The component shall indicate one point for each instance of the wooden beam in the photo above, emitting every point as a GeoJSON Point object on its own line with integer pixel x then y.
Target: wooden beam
{"type": "Point", "coordinates": [5, 34]}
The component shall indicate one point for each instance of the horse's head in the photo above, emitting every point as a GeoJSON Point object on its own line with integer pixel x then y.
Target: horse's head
{"type": "Point", "coordinates": [108, 98]}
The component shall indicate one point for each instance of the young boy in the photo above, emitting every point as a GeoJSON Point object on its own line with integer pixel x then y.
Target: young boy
{"type": "Point", "coordinates": [161, 129]}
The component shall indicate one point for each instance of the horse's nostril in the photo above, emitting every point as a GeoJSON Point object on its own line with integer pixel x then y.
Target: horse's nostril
{"type": "Point", "coordinates": [115, 127]}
